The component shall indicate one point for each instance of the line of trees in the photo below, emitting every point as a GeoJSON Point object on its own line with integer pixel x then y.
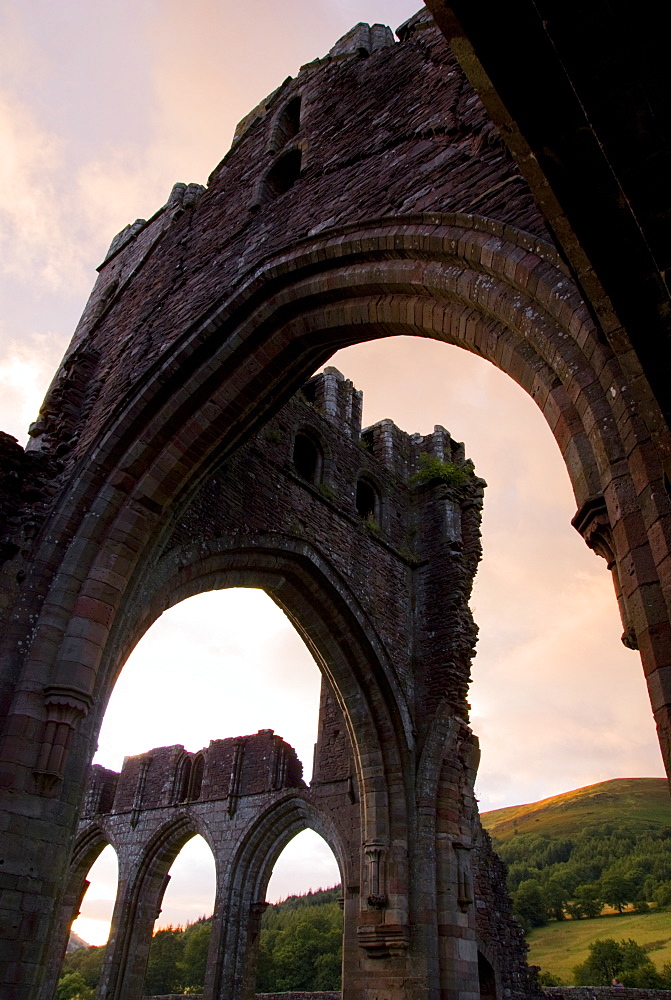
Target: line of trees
{"type": "Point", "coordinates": [625, 961]}
{"type": "Point", "coordinates": [550, 878]}
{"type": "Point", "coordinates": [300, 948]}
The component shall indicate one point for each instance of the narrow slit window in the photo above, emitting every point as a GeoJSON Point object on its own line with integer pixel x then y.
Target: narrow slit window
{"type": "Point", "coordinates": [366, 499]}
{"type": "Point", "coordinates": [196, 782]}
{"type": "Point", "coordinates": [183, 780]}
{"type": "Point", "coordinates": [307, 459]}
{"type": "Point", "coordinates": [288, 122]}
{"type": "Point", "coordinates": [283, 174]}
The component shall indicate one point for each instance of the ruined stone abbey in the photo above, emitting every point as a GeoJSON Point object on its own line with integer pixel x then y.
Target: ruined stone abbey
{"type": "Point", "coordinates": [185, 445]}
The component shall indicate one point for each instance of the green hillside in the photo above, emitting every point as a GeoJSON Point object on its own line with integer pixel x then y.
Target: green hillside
{"type": "Point", "coordinates": [606, 845]}
{"type": "Point", "coordinates": [561, 945]}
{"type": "Point", "coordinates": [642, 804]}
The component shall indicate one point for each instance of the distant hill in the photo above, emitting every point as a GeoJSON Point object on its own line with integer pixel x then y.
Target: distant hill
{"type": "Point", "coordinates": [642, 804]}
{"type": "Point", "coordinates": [75, 942]}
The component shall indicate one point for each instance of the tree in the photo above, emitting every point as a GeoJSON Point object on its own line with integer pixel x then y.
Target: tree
{"type": "Point", "coordinates": [87, 962]}
{"type": "Point", "coordinates": [624, 960]}
{"type": "Point", "coordinates": [163, 973]}
{"type": "Point", "coordinates": [194, 960]}
{"type": "Point", "coordinates": [586, 902]}
{"type": "Point", "coordinates": [549, 979]}
{"type": "Point", "coordinates": [72, 986]}
{"type": "Point", "coordinates": [300, 949]}
{"type": "Point", "coordinates": [616, 889]}
{"type": "Point", "coordinates": [662, 894]}
{"type": "Point", "coordinates": [557, 894]}
{"type": "Point", "coordinates": [529, 904]}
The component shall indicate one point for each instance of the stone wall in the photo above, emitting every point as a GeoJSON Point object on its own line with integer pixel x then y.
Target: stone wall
{"type": "Point", "coordinates": [551, 993]}
{"type": "Point", "coordinates": [603, 993]}
{"type": "Point", "coordinates": [259, 996]}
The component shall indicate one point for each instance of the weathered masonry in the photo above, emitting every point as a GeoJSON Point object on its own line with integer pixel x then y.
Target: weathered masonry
{"type": "Point", "coordinates": [368, 197]}
{"type": "Point", "coordinates": [370, 540]}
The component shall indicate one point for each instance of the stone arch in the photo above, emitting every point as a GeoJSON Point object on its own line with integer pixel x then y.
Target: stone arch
{"type": "Point", "coordinates": [329, 619]}
{"type": "Point", "coordinates": [461, 279]}
{"type": "Point", "coordinates": [282, 175]}
{"type": "Point", "coordinates": [243, 887]}
{"type": "Point", "coordinates": [367, 498]}
{"type": "Point", "coordinates": [466, 281]}
{"type": "Point", "coordinates": [197, 774]}
{"type": "Point", "coordinates": [88, 847]}
{"type": "Point", "coordinates": [286, 125]}
{"type": "Point", "coordinates": [138, 904]}
{"type": "Point", "coordinates": [489, 973]}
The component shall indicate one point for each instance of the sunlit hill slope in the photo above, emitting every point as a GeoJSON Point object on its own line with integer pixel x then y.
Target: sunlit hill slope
{"type": "Point", "coordinates": [640, 803]}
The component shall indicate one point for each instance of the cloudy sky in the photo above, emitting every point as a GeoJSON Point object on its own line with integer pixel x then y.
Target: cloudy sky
{"type": "Point", "coordinates": [103, 106]}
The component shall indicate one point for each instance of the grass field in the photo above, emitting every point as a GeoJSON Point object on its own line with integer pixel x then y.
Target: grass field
{"type": "Point", "coordinates": [641, 802]}
{"type": "Point", "coordinates": [561, 945]}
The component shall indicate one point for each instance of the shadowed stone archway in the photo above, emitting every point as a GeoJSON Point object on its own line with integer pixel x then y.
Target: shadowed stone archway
{"type": "Point", "coordinates": [202, 324]}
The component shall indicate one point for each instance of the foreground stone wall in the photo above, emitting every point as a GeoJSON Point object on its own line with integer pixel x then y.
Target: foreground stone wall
{"type": "Point", "coordinates": [260, 996]}
{"type": "Point", "coordinates": [556, 992]}
{"type": "Point", "coordinates": [603, 993]}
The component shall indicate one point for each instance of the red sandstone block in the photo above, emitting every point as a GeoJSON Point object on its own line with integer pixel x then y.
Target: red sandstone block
{"type": "Point", "coordinates": [659, 688]}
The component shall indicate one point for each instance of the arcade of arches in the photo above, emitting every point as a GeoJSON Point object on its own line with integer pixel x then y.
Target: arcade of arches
{"type": "Point", "coordinates": [174, 454]}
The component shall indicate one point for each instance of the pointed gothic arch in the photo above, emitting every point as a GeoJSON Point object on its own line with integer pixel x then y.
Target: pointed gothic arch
{"type": "Point", "coordinates": [457, 278]}
{"type": "Point", "coordinates": [460, 279]}
{"type": "Point", "coordinates": [88, 847]}
{"type": "Point", "coordinates": [232, 971]}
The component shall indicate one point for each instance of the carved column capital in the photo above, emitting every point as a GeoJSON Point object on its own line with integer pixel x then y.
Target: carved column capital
{"type": "Point", "coordinates": [593, 523]}
{"type": "Point", "coordinates": [65, 706]}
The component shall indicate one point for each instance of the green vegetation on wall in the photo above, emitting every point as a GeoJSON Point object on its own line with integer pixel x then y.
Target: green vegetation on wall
{"type": "Point", "coordinates": [434, 470]}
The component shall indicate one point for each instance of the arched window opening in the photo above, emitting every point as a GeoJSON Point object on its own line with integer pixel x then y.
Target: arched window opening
{"type": "Point", "coordinates": [309, 390]}
{"type": "Point", "coordinates": [179, 946]}
{"type": "Point", "coordinates": [282, 175]}
{"type": "Point", "coordinates": [487, 978]}
{"type": "Point", "coordinates": [288, 123]}
{"type": "Point", "coordinates": [367, 440]}
{"type": "Point", "coordinates": [95, 913]}
{"type": "Point", "coordinates": [305, 908]}
{"type": "Point", "coordinates": [366, 500]}
{"type": "Point", "coordinates": [183, 779]}
{"type": "Point", "coordinates": [82, 965]}
{"type": "Point", "coordinates": [196, 782]}
{"type": "Point", "coordinates": [570, 615]}
{"type": "Point", "coordinates": [307, 459]}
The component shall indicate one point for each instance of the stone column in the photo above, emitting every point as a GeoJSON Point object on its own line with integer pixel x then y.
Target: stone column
{"type": "Point", "coordinates": [230, 968]}
{"type": "Point", "coordinates": [137, 906]}
{"type": "Point", "coordinates": [457, 938]}
{"type": "Point", "coordinates": [68, 911]}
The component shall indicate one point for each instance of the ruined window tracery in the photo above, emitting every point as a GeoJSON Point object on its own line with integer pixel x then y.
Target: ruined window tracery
{"type": "Point", "coordinates": [196, 780]}
{"type": "Point", "coordinates": [183, 780]}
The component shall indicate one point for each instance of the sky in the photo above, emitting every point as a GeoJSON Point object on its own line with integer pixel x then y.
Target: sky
{"type": "Point", "coordinates": [103, 107]}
